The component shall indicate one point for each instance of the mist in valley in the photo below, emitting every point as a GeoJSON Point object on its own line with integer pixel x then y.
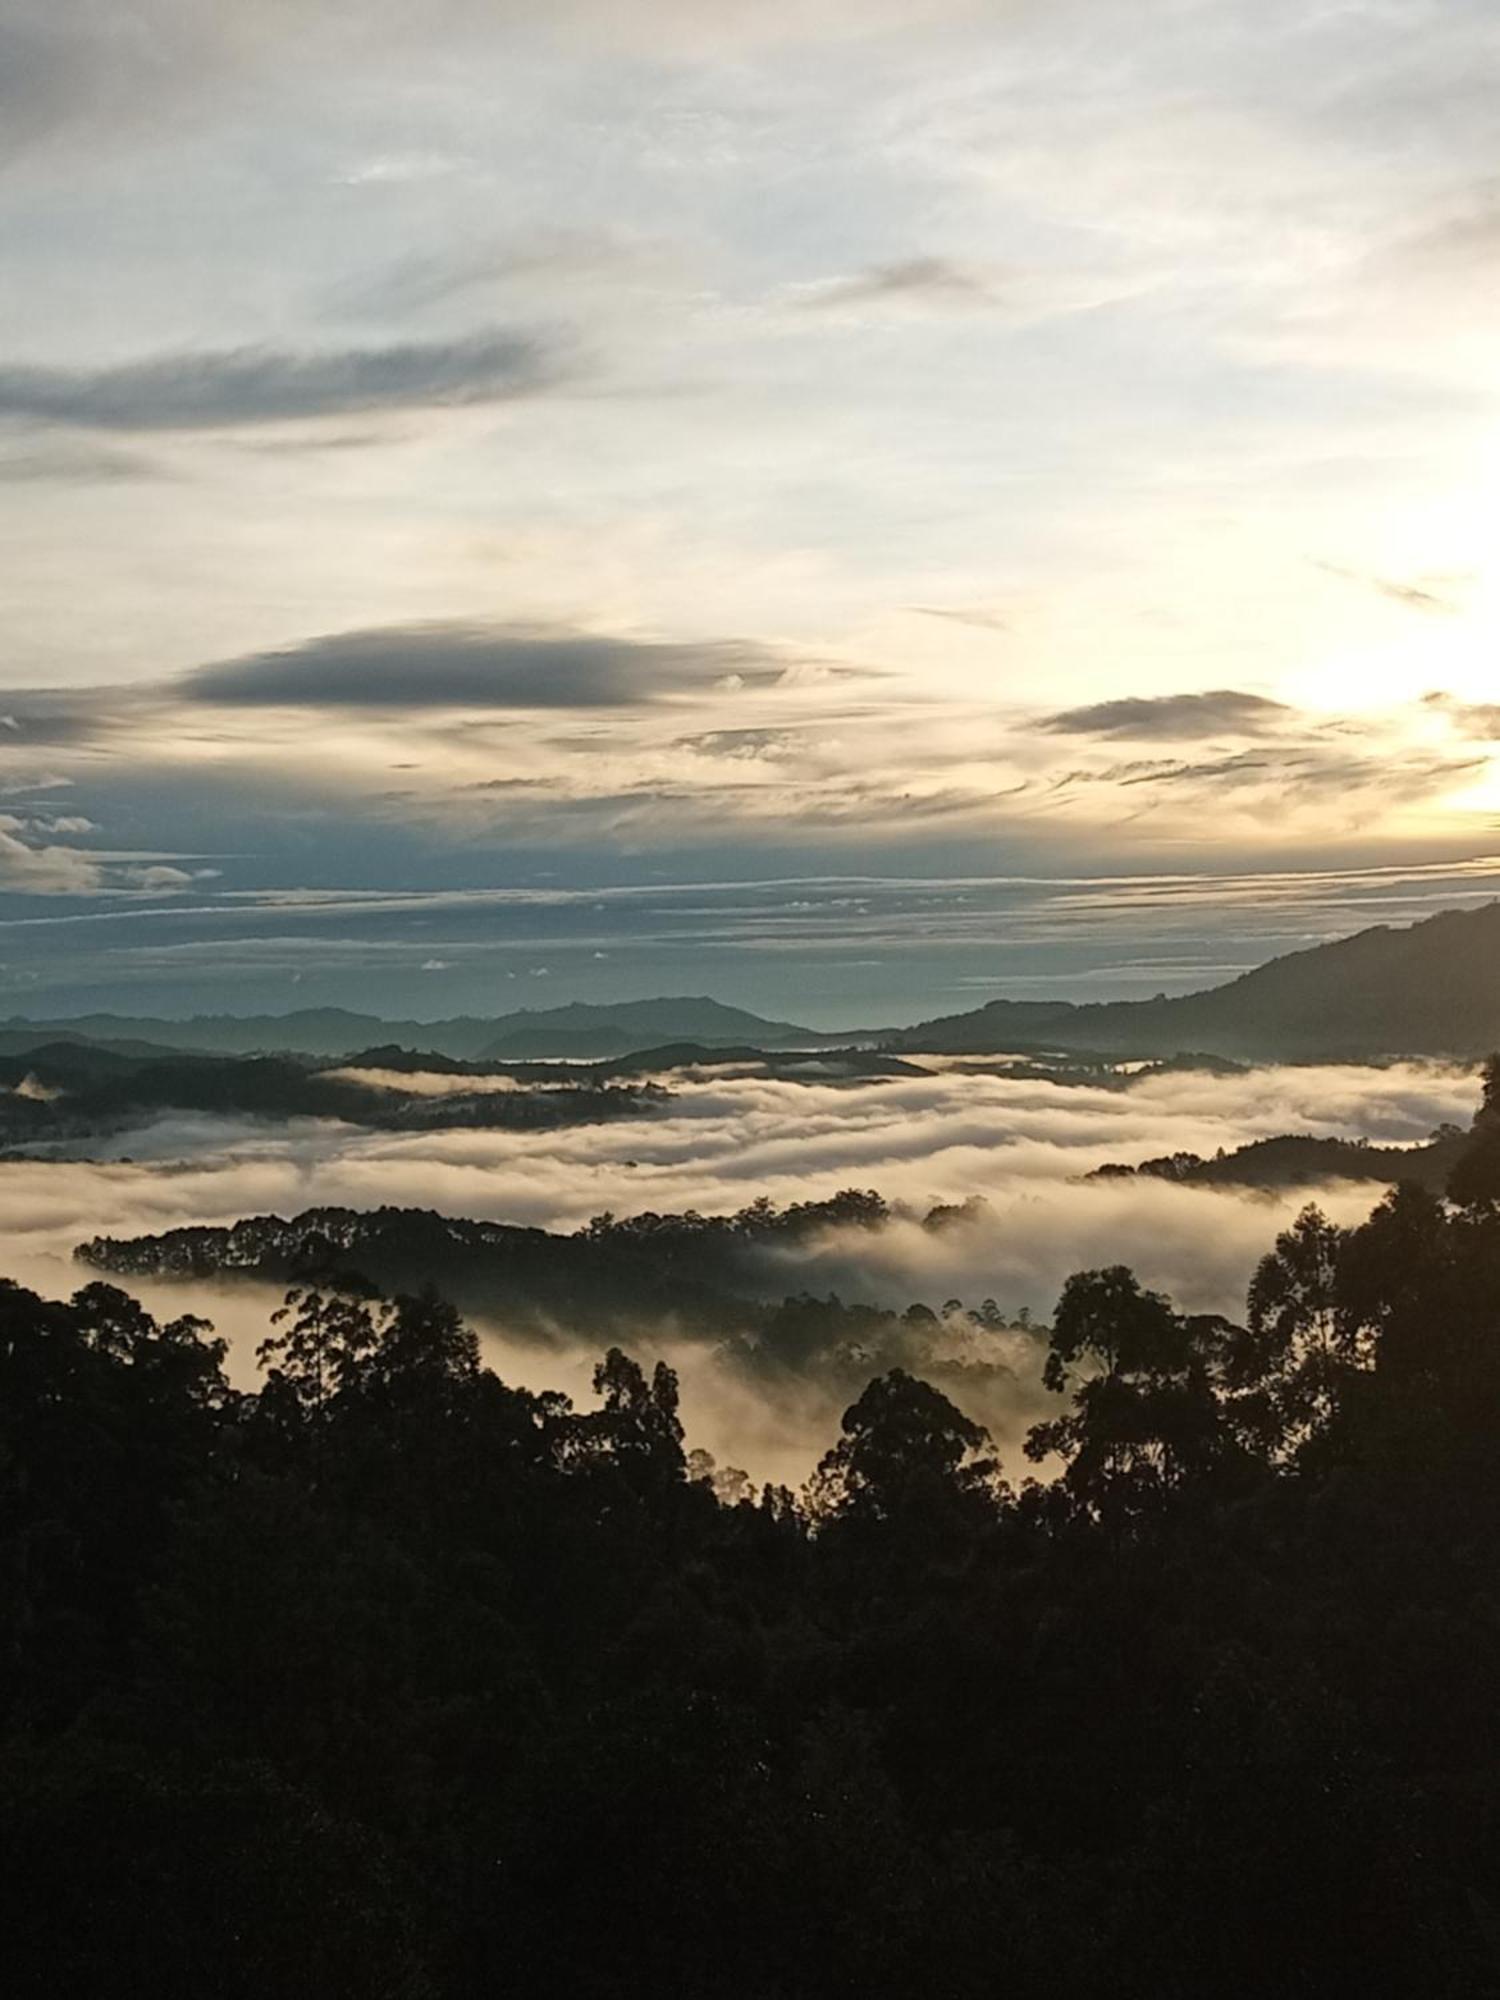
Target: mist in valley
{"type": "Point", "coordinates": [1004, 1159]}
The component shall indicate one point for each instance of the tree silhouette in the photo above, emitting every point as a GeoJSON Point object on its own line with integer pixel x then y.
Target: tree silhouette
{"type": "Point", "coordinates": [906, 1453]}
{"type": "Point", "coordinates": [1148, 1410]}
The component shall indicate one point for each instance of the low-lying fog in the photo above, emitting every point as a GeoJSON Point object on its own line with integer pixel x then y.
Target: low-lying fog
{"type": "Point", "coordinates": [727, 1137]}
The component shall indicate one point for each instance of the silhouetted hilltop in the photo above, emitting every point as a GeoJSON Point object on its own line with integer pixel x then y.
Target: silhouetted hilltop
{"type": "Point", "coordinates": [1301, 1159]}
{"type": "Point", "coordinates": [586, 1030]}
{"type": "Point", "coordinates": [698, 1271]}
{"type": "Point", "coordinates": [1430, 989]}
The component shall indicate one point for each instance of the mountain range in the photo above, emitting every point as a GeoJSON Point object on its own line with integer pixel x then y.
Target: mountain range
{"type": "Point", "coordinates": [584, 1032]}
{"type": "Point", "coordinates": [1431, 988]}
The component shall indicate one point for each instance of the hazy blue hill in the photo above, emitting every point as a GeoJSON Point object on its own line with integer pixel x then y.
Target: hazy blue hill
{"type": "Point", "coordinates": [585, 1029]}
{"type": "Point", "coordinates": [1430, 989]}
{"type": "Point", "coordinates": [579, 1030]}
{"type": "Point", "coordinates": [318, 1031]}
{"type": "Point", "coordinates": [47, 1035]}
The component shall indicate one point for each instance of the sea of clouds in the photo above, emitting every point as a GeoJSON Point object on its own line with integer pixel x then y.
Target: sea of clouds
{"type": "Point", "coordinates": [950, 1134]}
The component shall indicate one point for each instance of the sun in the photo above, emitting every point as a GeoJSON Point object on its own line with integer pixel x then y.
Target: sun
{"type": "Point", "coordinates": [1447, 644]}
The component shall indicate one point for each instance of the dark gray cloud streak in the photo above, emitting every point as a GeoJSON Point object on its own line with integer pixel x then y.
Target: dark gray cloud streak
{"type": "Point", "coordinates": [65, 717]}
{"type": "Point", "coordinates": [479, 667]}
{"type": "Point", "coordinates": [1175, 717]}
{"type": "Point", "coordinates": [939, 281]}
{"type": "Point", "coordinates": [1413, 595]}
{"type": "Point", "coordinates": [257, 385]}
{"type": "Point", "coordinates": [977, 616]}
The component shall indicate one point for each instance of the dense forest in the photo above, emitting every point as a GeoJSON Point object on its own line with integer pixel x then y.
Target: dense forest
{"type": "Point", "coordinates": [610, 1275]}
{"type": "Point", "coordinates": [389, 1679]}
{"type": "Point", "coordinates": [717, 1281]}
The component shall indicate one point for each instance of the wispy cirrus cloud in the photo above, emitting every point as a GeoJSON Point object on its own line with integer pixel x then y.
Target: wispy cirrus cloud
{"type": "Point", "coordinates": [1305, 774]}
{"type": "Point", "coordinates": [423, 279]}
{"type": "Point", "coordinates": [979, 616]}
{"type": "Point", "coordinates": [1424, 596]}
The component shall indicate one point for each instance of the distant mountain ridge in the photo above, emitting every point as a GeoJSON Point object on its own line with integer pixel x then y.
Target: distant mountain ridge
{"type": "Point", "coordinates": [582, 1030]}
{"type": "Point", "coordinates": [1429, 989]}
{"type": "Point", "coordinates": [592, 1030]}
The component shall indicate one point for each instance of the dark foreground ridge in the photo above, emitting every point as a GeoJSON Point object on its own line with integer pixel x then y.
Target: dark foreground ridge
{"type": "Point", "coordinates": [390, 1680]}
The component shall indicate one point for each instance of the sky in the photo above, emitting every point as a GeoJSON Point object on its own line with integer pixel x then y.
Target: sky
{"type": "Point", "coordinates": [847, 507]}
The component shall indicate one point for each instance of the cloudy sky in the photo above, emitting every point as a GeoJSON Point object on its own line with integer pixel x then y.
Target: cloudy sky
{"type": "Point", "coordinates": [844, 506]}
